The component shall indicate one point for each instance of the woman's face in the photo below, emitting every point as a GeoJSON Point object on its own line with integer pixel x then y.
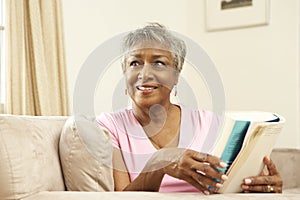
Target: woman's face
{"type": "Point", "coordinates": [150, 76]}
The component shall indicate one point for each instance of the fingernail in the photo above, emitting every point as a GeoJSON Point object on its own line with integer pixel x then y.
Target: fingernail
{"type": "Point", "coordinates": [247, 181]}
{"type": "Point", "coordinates": [206, 192]}
{"type": "Point", "coordinates": [224, 177]}
{"type": "Point", "coordinates": [219, 185]}
{"type": "Point", "coordinates": [223, 164]}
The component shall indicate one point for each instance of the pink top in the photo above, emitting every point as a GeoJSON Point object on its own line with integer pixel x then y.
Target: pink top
{"type": "Point", "coordinates": [129, 136]}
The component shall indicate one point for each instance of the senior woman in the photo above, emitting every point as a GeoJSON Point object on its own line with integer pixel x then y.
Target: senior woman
{"type": "Point", "coordinates": [158, 144]}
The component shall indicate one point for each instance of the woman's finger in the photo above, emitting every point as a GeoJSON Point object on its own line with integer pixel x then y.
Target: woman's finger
{"type": "Point", "coordinates": [263, 180]}
{"type": "Point", "coordinates": [181, 171]}
{"type": "Point", "coordinates": [207, 170]}
{"type": "Point", "coordinates": [262, 188]}
{"type": "Point", "coordinates": [207, 158]}
{"type": "Point", "coordinates": [205, 180]}
{"type": "Point", "coordinates": [197, 184]}
{"type": "Point", "coordinates": [198, 172]}
{"type": "Point", "coordinates": [270, 166]}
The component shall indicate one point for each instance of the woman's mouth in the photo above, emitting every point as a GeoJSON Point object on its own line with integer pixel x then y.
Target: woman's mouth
{"type": "Point", "coordinates": [146, 88]}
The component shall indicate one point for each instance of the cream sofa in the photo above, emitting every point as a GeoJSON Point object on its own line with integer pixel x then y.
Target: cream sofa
{"type": "Point", "coordinates": [50, 158]}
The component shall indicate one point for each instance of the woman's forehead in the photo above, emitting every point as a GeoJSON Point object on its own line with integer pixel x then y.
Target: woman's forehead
{"type": "Point", "coordinates": [149, 51]}
{"type": "Point", "coordinates": [149, 45]}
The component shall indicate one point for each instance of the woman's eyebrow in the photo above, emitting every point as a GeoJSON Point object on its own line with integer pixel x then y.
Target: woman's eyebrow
{"type": "Point", "coordinates": [153, 56]}
{"type": "Point", "coordinates": [135, 55]}
{"type": "Point", "coordinates": [159, 56]}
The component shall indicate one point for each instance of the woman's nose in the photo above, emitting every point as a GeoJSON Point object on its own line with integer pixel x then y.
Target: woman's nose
{"type": "Point", "coordinates": [146, 72]}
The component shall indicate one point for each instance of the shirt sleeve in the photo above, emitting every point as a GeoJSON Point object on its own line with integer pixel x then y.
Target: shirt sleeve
{"type": "Point", "coordinates": [211, 121]}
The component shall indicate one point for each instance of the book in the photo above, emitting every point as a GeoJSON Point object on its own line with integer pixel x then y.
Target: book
{"type": "Point", "coordinates": [245, 138]}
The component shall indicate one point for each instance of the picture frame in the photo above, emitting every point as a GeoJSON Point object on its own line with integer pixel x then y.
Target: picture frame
{"type": "Point", "coordinates": [233, 14]}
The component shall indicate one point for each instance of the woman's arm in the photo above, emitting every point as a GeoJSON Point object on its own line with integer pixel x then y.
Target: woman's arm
{"type": "Point", "coordinates": [146, 181]}
{"type": "Point", "coordinates": [196, 168]}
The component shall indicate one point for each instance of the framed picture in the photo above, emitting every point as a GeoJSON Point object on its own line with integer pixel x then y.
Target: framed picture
{"type": "Point", "coordinates": [230, 14]}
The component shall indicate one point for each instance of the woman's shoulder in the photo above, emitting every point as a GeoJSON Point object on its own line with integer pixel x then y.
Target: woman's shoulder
{"type": "Point", "coordinates": [201, 115]}
{"type": "Point", "coordinates": [122, 115]}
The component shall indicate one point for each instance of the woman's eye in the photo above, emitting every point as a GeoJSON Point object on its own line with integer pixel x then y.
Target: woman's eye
{"type": "Point", "coordinates": [159, 64]}
{"type": "Point", "coordinates": [134, 63]}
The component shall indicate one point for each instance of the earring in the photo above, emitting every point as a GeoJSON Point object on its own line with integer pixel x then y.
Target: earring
{"type": "Point", "coordinates": [126, 91]}
{"type": "Point", "coordinates": [175, 90]}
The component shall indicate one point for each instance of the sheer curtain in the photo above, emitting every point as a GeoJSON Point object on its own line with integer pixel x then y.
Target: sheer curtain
{"type": "Point", "coordinates": [37, 81]}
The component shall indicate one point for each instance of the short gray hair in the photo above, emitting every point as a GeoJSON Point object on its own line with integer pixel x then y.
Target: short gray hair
{"type": "Point", "coordinates": [157, 33]}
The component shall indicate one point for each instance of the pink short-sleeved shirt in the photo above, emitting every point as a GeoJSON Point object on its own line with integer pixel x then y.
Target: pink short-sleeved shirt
{"type": "Point", "coordinates": [198, 131]}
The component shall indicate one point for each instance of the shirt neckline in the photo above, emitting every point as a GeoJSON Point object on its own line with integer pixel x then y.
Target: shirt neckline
{"type": "Point", "coordinates": [143, 133]}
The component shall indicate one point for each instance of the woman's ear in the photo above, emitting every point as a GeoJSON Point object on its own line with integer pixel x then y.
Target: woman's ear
{"type": "Point", "coordinates": [175, 90]}
{"type": "Point", "coordinates": [176, 77]}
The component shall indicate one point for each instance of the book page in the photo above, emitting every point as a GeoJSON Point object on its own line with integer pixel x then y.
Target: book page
{"type": "Point", "coordinates": [254, 124]}
{"type": "Point", "coordinates": [249, 162]}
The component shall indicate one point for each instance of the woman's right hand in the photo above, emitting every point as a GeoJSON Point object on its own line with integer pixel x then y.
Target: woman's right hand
{"type": "Point", "coordinates": [198, 169]}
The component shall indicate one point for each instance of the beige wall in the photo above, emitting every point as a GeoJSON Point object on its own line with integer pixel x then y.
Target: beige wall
{"type": "Point", "coordinates": [259, 66]}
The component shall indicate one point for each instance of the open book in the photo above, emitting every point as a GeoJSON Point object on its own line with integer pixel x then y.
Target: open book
{"type": "Point", "coordinates": [246, 137]}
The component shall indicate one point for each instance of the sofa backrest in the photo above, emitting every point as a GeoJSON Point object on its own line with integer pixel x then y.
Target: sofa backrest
{"type": "Point", "coordinates": [29, 155]}
{"type": "Point", "coordinates": [287, 162]}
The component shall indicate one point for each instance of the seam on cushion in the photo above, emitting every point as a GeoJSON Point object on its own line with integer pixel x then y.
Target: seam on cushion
{"type": "Point", "coordinates": [9, 164]}
{"type": "Point", "coordinates": [65, 170]}
{"type": "Point", "coordinates": [71, 153]}
{"type": "Point", "coordinates": [102, 182]}
{"type": "Point", "coordinates": [62, 172]}
{"type": "Point", "coordinates": [60, 160]}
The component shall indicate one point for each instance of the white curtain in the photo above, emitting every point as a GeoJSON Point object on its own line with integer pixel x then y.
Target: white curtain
{"type": "Point", "coordinates": [37, 83]}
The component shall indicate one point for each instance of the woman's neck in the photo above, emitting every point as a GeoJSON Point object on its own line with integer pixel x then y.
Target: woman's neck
{"type": "Point", "coordinates": [156, 114]}
{"type": "Point", "coordinates": [161, 124]}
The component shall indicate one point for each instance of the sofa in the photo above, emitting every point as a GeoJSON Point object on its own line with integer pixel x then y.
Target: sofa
{"type": "Point", "coordinates": [53, 157]}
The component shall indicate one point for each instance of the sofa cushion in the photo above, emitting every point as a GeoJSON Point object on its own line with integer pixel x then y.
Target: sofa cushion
{"type": "Point", "coordinates": [86, 155]}
{"type": "Point", "coordinates": [158, 195]}
{"type": "Point", "coordinates": [29, 155]}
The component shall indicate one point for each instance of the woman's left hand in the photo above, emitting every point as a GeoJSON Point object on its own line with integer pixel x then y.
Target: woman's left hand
{"type": "Point", "coordinates": [268, 182]}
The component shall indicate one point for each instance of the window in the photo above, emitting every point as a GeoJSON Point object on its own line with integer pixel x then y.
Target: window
{"type": "Point", "coordinates": [2, 53]}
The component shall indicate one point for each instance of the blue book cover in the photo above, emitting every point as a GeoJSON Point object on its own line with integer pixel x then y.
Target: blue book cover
{"type": "Point", "coordinates": [236, 139]}
{"type": "Point", "coordinates": [234, 143]}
